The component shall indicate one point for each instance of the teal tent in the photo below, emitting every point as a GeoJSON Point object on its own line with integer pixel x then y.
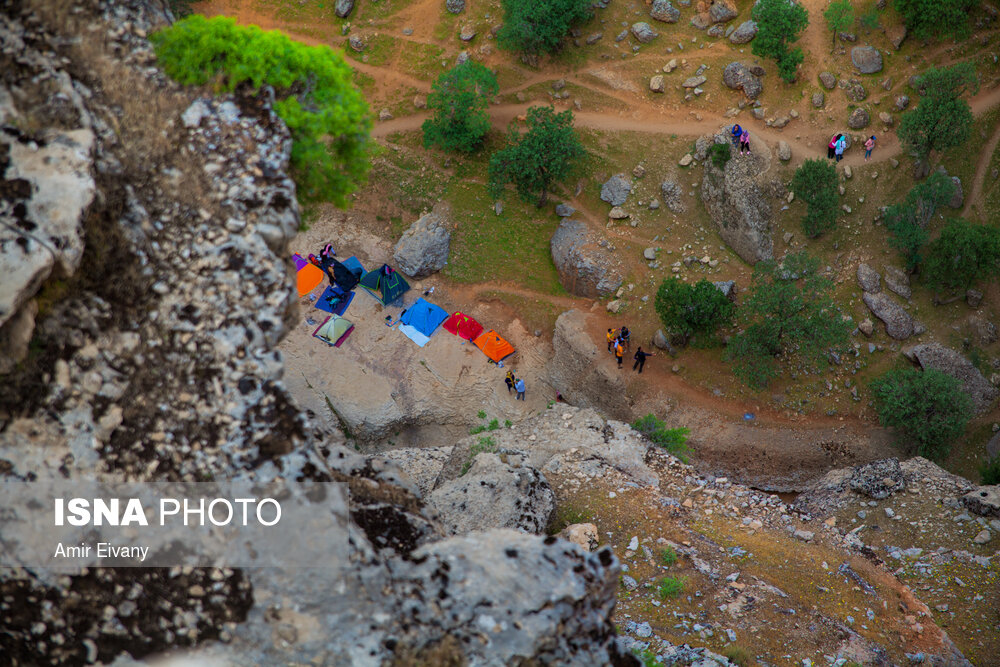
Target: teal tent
{"type": "Point", "coordinates": [385, 284]}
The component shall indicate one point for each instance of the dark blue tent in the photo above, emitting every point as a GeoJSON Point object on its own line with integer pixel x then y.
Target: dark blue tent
{"type": "Point", "coordinates": [424, 316]}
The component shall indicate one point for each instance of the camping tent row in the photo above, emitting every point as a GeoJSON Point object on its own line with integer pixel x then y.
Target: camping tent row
{"type": "Point", "coordinates": [421, 320]}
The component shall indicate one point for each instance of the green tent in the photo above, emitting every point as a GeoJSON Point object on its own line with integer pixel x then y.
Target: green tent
{"type": "Point", "coordinates": [334, 330]}
{"type": "Point", "coordinates": [385, 284]}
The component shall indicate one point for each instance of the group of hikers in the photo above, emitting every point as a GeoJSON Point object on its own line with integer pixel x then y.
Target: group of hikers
{"type": "Point", "coordinates": [515, 384]}
{"type": "Point", "coordinates": [620, 340]}
{"type": "Point", "coordinates": [838, 144]}
{"type": "Point", "coordinates": [741, 139]}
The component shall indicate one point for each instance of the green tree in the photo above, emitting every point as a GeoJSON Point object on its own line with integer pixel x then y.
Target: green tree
{"type": "Point", "coordinates": [536, 27]}
{"type": "Point", "coordinates": [693, 311]}
{"type": "Point", "coordinates": [927, 408]}
{"type": "Point", "coordinates": [907, 220]}
{"type": "Point", "coordinates": [815, 182]}
{"type": "Point", "coordinates": [839, 16]}
{"type": "Point", "coordinates": [779, 23]}
{"type": "Point", "coordinates": [314, 94]}
{"type": "Point", "coordinates": [963, 254]}
{"type": "Point", "coordinates": [548, 152]}
{"type": "Point", "coordinates": [941, 120]}
{"type": "Point", "coordinates": [459, 99]}
{"type": "Point", "coordinates": [929, 19]}
{"type": "Point", "coordinates": [788, 313]}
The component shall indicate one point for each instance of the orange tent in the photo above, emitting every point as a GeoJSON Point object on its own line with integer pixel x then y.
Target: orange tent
{"type": "Point", "coordinates": [308, 277]}
{"type": "Point", "coordinates": [493, 346]}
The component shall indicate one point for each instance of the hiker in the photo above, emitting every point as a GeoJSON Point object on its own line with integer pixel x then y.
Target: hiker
{"type": "Point", "coordinates": [611, 340]}
{"type": "Point", "coordinates": [838, 150]}
{"type": "Point", "coordinates": [737, 132]}
{"type": "Point", "coordinates": [745, 142]}
{"type": "Point", "coordinates": [519, 386]}
{"type": "Point", "coordinates": [640, 358]}
{"type": "Point", "coordinates": [869, 145]}
{"type": "Point", "coordinates": [509, 380]}
{"type": "Point", "coordinates": [625, 337]}
{"type": "Point", "coordinates": [619, 351]}
{"type": "Point", "coordinates": [832, 146]}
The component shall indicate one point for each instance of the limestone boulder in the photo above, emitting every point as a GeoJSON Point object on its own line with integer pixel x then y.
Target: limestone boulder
{"type": "Point", "coordinates": [898, 323]}
{"type": "Point", "coordinates": [738, 76]}
{"type": "Point", "coordinates": [423, 249]}
{"type": "Point", "coordinates": [343, 8]}
{"type": "Point", "coordinates": [582, 534]}
{"type": "Point", "coordinates": [662, 10]}
{"type": "Point", "coordinates": [938, 357]}
{"type": "Point", "coordinates": [867, 59]}
{"type": "Point", "coordinates": [585, 266]}
{"type": "Point", "coordinates": [643, 32]}
{"type": "Point", "coordinates": [616, 190]}
{"type": "Point", "coordinates": [744, 34]}
{"type": "Point", "coordinates": [868, 278]}
{"type": "Point", "coordinates": [672, 196]}
{"type": "Point", "coordinates": [984, 501]}
{"type": "Point", "coordinates": [879, 479]}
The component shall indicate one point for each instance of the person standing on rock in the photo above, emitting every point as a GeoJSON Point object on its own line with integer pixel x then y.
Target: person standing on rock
{"type": "Point", "coordinates": [869, 146]}
{"type": "Point", "coordinates": [839, 148]}
{"type": "Point", "coordinates": [509, 380]}
{"type": "Point", "coordinates": [640, 358]}
{"type": "Point", "coordinates": [745, 142]}
{"type": "Point", "coordinates": [831, 148]}
{"type": "Point", "coordinates": [619, 351]}
{"type": "Point", "coordinates": [519, 386]}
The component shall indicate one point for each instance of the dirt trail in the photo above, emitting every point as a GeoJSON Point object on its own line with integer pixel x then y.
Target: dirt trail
{"type": "Point", "coordinates": [981, 104]}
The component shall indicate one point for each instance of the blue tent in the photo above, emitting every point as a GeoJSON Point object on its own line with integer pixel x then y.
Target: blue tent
{"type": "Point", "coordinates": [424, 316]}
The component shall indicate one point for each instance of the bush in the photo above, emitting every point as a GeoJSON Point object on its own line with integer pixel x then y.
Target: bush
{"type": "Point", "coordinates": [693, 311]}
{"type": "Point", "coordinates": [738, 655]}
{"type": "Point", "coordinates": [989, 472]}
{"type": "Point", "coordinates": [963, 254]}
{"type": "Point", "coordinates": [674, 440]}
{"type": "Point", "coordinates": [459, 99]}
{"type": "Point", "coordinates": [907, 221]}
{"type": "Point", "coordinates": [547, 153]}
{"type": "Point", "coordinates": [314, 94]}
{"type": "Point", "coordinates": [815, 182]}
{"type": "Point", "coordinates": [941, 120]}
{"type": "Point", "coordinates": [670, 587]}
{"type": "Point", "coordinates": [535, 27]}
{"type": "Point", "coordinates": [928, 19]}
{"type": "Point", "coordinates": [667, 556]}
{"type": "Point", "coordinates": [928, 408]}
{"type": "Point", "coordinates": [788, 314]}
{"type": "Point", "coordinates": [779, 23]}
{"type": "Point", "coordinates": [720, 154]}
{"type": "Point", "coordinates": [839, 17]}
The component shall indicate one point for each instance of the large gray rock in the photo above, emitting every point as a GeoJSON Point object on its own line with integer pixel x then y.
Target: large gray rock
{"type": "Point", "coordinates": [898, 323]}
{"type": "Point", "coordinates": [672, 196]}
{"type": "Point", "coordinates": [868, 278]}
{"type": "Point", "coordinates": [938, 357]}
{"type": "Point", "coordinates": [859, 119]}
{"type": "Point", "coordinates": [984, 501]}
{"type": "Point", "coordinates": [663, 11]}
{"type": "Point", "coordinates": [494, 494]}
{"type": "Point", "coordinates": [744, 33]}
{"type": "Point", "coordinates": [616, 190]}
{"type": "Point", "coordinates": [736, 200]}
{"type": "Point", "coordinates": [423, 248]}
{"type": "Point", "coordinates": [897, 280]}
{"type": "Point", "coordinates": [879, 479]}
{"type": "Point", "coordinates": [738, 77]}
{"type": "Point", "coordinates": [342, 8]}
{"type": "Point", "coordinates": [585, 267]}
{"type": "Point", "coordinates": [643, 32]}
{"type": "Point", "coordinates": [722, 11]}
{"type": "Point", "coordinates": [867, 59]}
{"type": "Point", "coordinates": [455, 6]}
{"type": "Point", "coordinates": [828, 80]}
{"type": "Point", "coordinates": [784, 151]}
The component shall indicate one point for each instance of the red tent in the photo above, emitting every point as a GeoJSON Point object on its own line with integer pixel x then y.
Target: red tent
{"type": "Point", "coordinates": [493, 346]}
{"type": "Point", "coordinates": [463, 326]}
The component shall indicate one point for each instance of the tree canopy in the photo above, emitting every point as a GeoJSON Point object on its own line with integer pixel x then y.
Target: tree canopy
{"type": "Point", "coordinates": [459, 99]}
{"type": "Point", "coordinates": [545, 154]}
{"type": "Point", "coordinates": [941, 120]}
{"type": "Point", "coordinates": [788, 313]}
{"type": "Point", "coordinates": [693, 311]}
{"type": "Point", "coordinates": [963, 254]}
{"type": "Point", "coordinates": [314, 94]}
{"type": "Point", "coordinates": [779, 23]}
{"type": "Point", "coordinates": [930, 19]}
{"type": "Point", "coordinates": [839, 16]}
{"type": "Point", "coordinates": [536, 27]}
{"type": "Point", "coordinates": [927, 408]}
{"type": "Point", "coordinates": [907, 221]}
{"type": "Point", "coordinates": [815, 182]}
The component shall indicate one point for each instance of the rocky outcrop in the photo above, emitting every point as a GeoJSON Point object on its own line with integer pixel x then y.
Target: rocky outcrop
{"type": "Point", "coordinates": [879, 479]}
{"type": "Point", "coordinates": [938, 357]}
{"type": "Point", "coordinates": [735, 199]}
{"type": "Point", "coordinates": [662, 10]}
{"type": "Point", "coordinates": [745, 33]}
{"type": "Point", "coordinates": [739, 77]}
{"type": "Point", "coordinates": [493, 494]}
{"type": "Point", "coordinates": [867, 59]}
{"type": "Point", "coordinates": [585, 266]}
{"type": "Point", "coordinates": [455, 6]}
{"type": "Point", "coordinates": [575, 369]}
{"type": "Point", "coordinates": [672, 196]}
{"type": "Point", "coordinates": [868, 279]}
{"type": "Point", "coordinates": [898, 323]}
{"type": "Point", "coordinates": [984, 501]}
{"type": "Point", "coordinates": [423, 248]}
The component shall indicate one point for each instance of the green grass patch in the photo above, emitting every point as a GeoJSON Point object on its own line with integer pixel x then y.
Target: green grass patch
{"type": "Point", "coordinates": [480, 446]}
{"type": "Point", "coordinates": [667, 556]}
{"type": "Point", "coordinates": [670, 587]}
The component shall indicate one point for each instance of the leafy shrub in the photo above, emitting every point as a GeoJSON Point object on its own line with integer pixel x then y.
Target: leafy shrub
{"type": "Point", "coordinates": [720, 154]}
{"type": "Point", "coordinates": [483, 444]}
{"type": "Point", "coordinates": [546, 154]}
{"type": "Point", "coordinates": [907, 220]}
{"type": "Point", "coordinates": [674, 440]}
{"type": "Point", "coordinates": [670, 587]}
{"type": "Point", "coordinates": [459, 99]}
{"type": "Point", "coordinates": [667, 556]}
{"type": "Point", "coordinates": [481, 414]}
{"type": "Point", "coordinates": [928, 408]}
{"type": "Point", "coordinates": [788, 313]}
{"type": "Point", "coordinates": [941, 120]}
{"type": "Point", "coordinates": [815, 182]}
{"type": "Point", "coordinates": [536, 27]}
{"type": "Point", "coordinates": [314, 94]}
{"type": "Point", "coordinates": [839, 17]}
{"type": "Point", "coordinates": [779, 23]}
{"type": "Point", "coordinates": [739, 655]}
{"type": "Point", "coordinates": [989, 472]}
{"type": "Point", "coordinates": [928, 19]}
{"type": "Point", "coordinates": [693, 311]}
{"type": "Point", "coordinates": [963, 254]}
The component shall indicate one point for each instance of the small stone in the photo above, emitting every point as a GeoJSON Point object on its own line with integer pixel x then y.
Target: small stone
{"type": "Point", "coordinates": [686, 160]}
{"type": "Point", "coordinates": [384, 115]}
{"type": "Point", "coordinates": [983, 537]}
{"type": "Point", "coordinates": [656, 84]}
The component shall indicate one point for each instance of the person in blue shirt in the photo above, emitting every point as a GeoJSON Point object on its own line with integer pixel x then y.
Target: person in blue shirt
{"type": "Point", "coordinates": [737, 132]}
{"type": "Point", "coordinates": [519, 386]}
